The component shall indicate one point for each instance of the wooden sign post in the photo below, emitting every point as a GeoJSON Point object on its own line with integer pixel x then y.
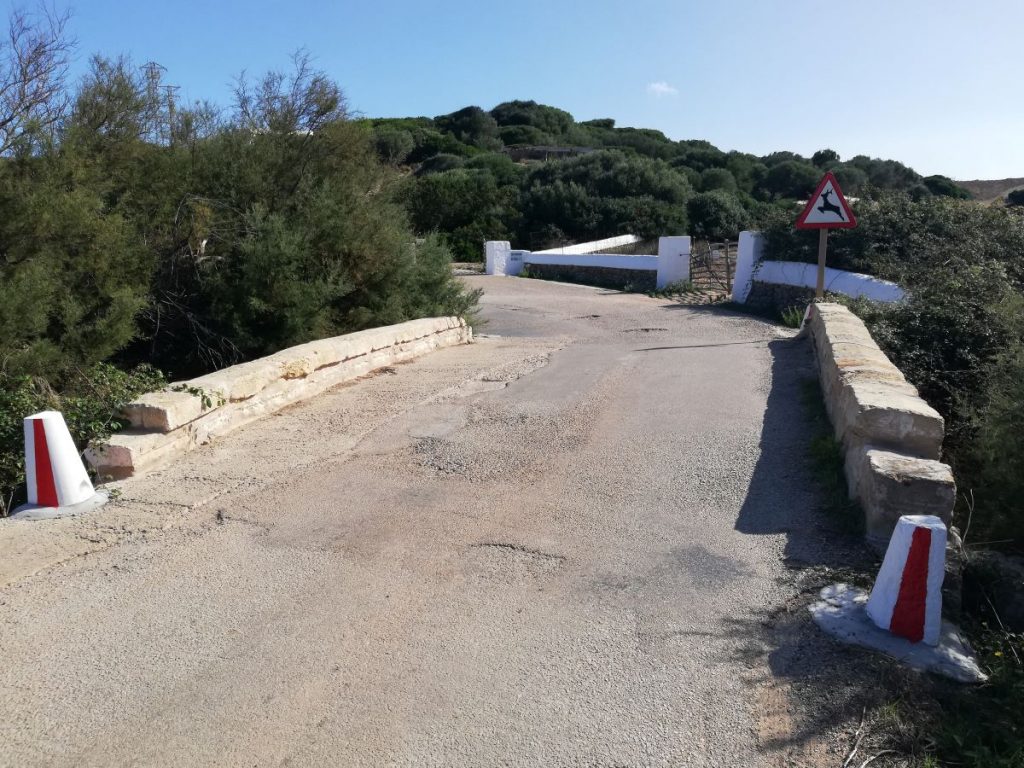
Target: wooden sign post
{"type": "Point", "coordinates": [826, 209]}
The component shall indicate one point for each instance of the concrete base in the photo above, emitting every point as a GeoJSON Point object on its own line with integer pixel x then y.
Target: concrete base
{"type": "Point", "coordinates": [36, 512]}
{"type": "Point", "coordinates": [841, 613]}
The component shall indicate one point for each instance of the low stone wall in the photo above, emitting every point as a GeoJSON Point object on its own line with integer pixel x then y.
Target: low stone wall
{"type": "Point", "coordinates": [604, 277]}
{"type": "Point", "coordinates": [892, 439]}
{"type": "Point", "coordinates": [188, 414]}
{"type": "Point", "coordinates": [771, 298]}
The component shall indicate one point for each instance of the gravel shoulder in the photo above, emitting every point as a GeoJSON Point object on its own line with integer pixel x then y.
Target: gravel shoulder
{"type": "Point", "coordinates": [568, 543]}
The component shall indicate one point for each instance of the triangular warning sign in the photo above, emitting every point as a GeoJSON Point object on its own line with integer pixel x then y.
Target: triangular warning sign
{"type": "Point", "coordinates": [827, 208]}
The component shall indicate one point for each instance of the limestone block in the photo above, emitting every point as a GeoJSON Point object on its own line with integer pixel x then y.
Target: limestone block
{"type": "Point", "coordinates": [889, 416]}
{"type": "Point", "coordinates": [246, 392]}
{"type": "Point", "coordinates": [163, 411]}
{"type": "Point", "coordinates": [130, 452]}
{"type": "Point", "coordinates": [890, 485]}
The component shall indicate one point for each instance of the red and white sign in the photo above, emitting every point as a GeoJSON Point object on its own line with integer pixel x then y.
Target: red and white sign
{"type": "Point", "coordinates": [827, 208]}
{"type": "Point", "coordinates": [907, 596]}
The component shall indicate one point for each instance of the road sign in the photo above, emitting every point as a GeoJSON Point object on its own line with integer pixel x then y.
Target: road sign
{"type": "Point", "coordinates": [827, 208]}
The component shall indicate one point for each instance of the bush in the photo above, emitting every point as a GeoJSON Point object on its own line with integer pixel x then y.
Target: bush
{"type": "Point", "coordinates": [716, 215]}
{"type": "Point", "coordinates": [91, 404]}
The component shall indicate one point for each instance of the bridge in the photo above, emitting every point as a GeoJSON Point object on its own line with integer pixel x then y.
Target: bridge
{"type": "Point", "coordinates": [558, 545]}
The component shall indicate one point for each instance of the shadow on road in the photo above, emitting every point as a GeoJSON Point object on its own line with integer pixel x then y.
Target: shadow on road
{"type": "Point", "coordinates": [826, 684]}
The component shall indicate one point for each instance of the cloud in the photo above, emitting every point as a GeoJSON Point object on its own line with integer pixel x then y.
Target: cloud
{"type": "Point", "coordinates": [661, 88]}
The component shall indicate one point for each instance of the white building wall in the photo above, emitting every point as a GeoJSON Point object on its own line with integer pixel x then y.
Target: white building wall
{"type": "Point", "coordinates": [751, 268]}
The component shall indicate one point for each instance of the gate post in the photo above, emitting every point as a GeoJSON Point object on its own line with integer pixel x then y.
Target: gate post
{"type": "Point", "coordinates": [496, 253]}
{"type": "Point", "coordinates": [673, 261]}
{"type": "Point", "coordinates": [748, 255]}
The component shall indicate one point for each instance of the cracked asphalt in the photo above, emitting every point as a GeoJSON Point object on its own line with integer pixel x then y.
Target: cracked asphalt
{"type": "Point", "coordinates": [555, 546]}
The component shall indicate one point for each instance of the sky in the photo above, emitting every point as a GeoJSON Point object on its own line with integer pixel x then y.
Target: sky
{"type": "Point", "coordinates": [935, 84]}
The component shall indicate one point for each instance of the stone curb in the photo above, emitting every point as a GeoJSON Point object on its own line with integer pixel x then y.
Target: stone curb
{"type": "Point", "coordinates": [169, 423]}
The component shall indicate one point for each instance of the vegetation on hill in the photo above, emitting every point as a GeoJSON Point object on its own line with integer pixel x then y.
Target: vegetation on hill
{"type": "Point", "coordinates": [532, 174]}
{"type": "Point", "coordinates": [990, 190]}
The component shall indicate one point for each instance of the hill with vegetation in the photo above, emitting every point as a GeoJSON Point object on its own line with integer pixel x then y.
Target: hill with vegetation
{"type": "Point", "coordinates": [991, 190]}
{"type": "Point", "coordinates": [532, 174]}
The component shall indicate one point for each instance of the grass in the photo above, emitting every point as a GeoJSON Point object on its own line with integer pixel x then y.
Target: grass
{"type": "Point", "coordinates": [792, 317]}
{"type": "Point", "coordinates": [678, 288]}
{"type": "Point", "coordinates": [947, 724]}
{"type": "Point", "coordinates": [825, 455]}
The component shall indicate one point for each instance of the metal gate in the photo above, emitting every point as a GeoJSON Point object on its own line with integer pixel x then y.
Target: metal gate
{"type": "Point", "coordinates": [712, 267]}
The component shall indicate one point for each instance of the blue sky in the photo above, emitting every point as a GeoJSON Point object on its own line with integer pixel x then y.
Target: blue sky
{"type": "Point", "coordinates": [933, 84]}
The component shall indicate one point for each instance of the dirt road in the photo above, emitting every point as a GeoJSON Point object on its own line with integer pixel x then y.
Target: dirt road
{"type": "Point", "coordinates": [551, 547]}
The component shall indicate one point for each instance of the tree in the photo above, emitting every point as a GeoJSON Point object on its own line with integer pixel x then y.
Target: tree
{"type": "Point", "coordinates": [851, 178]}
{"type": "Point", "coordinates": [717, 178]}
{"type": "Point", "coordinates": [299, 102]}
{"type": "Point", "coordinates": [471, 125]}
{"type": "Point", "coordinates": [512, 135]}
{"type": "Point", "coordinates": [945, 187]}
{"type": "Point", "coordinates": [552, 121]}
{"type": "Point", "coordinates": [716, 215]}
{"type": "Point", "coordinates": [1015, 198]}
{"type": "Point", "coordinates": [33, 67]}
{"type": "Point", "coordinates": [439, 164]}
{"type": "Point", "coordinates": [792, 178]}
{"type": "Point", "coordinates": [393, 144]}
{"type": "Point", "coordinates": [886, 174]}
{"type": "Point", "coordinates": [825, 158]}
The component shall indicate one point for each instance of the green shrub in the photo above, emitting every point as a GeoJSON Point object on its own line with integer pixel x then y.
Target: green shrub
{"type": "Point", "coordinates": [91, 404]}
{"type": "Point", "coordinates": [716, 215]}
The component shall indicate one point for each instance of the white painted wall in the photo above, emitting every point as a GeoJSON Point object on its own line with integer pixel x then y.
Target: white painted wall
{"type": "Point", "coordinates": [607, 260]}
{"type": "Point", "coordinates": [595, 246]}
{"type": "Point", "coordinates": [672, 263]}
{"type": "Point", "coordinates": [836, 280]}
{"type": "Point", "coordinates": [750, 268]}
{"type": "Point", "coordinates": [673, 260]}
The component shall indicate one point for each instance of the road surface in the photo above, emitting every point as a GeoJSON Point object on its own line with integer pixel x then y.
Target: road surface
{"type": "Point", "coordinates": [551, 547]}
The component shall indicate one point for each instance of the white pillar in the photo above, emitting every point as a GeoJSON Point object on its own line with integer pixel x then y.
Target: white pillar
{"type": "Point", "coordinates": [54, 471]}
{"type": "Point", "coordinates": [748, 256]}
{"type": "Point", "coordinates": [673, 260]}
{"type": "Point", "coordinates": [907, 596]}
{"type": "Point", "coordinates": [496, 256]}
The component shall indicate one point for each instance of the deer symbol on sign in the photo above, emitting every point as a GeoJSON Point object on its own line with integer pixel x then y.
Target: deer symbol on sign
{"type": "Point", "coordinates": [827, 206]}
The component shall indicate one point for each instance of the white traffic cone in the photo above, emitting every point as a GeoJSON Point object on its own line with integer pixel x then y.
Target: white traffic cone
{"type": "Point", "coordinates": [55, 475]}
{"type": "Point", "coordinates": [907, 597]}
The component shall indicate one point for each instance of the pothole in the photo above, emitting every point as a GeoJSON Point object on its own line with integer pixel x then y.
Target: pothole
{"type": "Point", "coordinates": [510, 563]}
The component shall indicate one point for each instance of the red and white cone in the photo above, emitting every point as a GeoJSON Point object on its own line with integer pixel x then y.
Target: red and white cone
{"type": "Point", "coordinates": [55, 475]}
{"type": "Point", "coordinates": [907, 597]}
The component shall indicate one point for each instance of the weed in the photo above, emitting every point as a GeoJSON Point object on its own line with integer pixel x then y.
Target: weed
{"type": "Point", "coordinates": [825, 454]}
{"type": "Point", "coordinates": [792, 317]}
{"type": "Point", "coordinates": [678, 288]}
{"type": "Point", "coordinates": [206, 399]}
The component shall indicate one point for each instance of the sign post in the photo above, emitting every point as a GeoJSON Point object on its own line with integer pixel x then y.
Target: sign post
{"type": "Point", "coordinates": [826, 209]}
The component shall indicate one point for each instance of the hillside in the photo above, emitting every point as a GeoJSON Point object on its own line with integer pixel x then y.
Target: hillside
{"type": "Point", "coordinates": [533, 174]}
{"type": "Point", "coordinates": [989, 190]}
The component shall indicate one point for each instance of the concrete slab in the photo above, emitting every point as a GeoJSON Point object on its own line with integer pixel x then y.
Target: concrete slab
{"type": "Point", "coordinates": [841, 613]}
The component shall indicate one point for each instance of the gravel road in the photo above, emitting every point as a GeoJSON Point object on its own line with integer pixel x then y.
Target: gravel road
{"type": "Point", "coordinates": [554, 547]}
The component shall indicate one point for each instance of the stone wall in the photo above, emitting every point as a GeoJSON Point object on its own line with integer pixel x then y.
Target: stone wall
{"type": "Point", "coordinates": [604, 277]}
{"type": "Point", "coordinates": [188, 414]}
{"type": "Point", "coordinates": [771, 299]}
{"type": "Point", "coordinates": [891, 438]}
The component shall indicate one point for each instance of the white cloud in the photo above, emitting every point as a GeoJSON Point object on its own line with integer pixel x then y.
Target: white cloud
{"type": "Point", "coordinates": [661, 88]}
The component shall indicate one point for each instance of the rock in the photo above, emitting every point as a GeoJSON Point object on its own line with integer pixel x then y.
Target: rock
{"type": "Point", "coordinates": [891, 484]}
{"type": "Point", "coordinates": [164, 411]}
